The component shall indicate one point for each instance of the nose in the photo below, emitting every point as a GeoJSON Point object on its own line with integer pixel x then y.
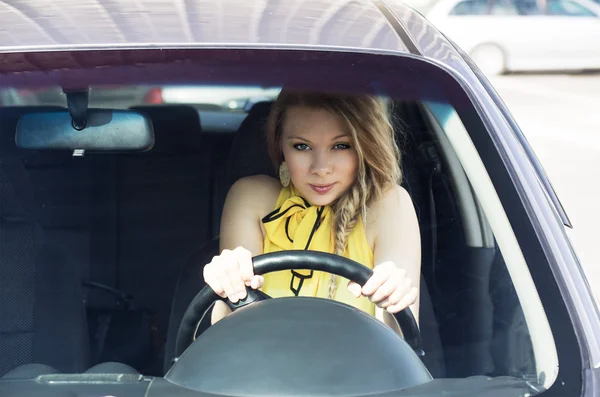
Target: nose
{"type": "Point", "coordinates": [321, 164]}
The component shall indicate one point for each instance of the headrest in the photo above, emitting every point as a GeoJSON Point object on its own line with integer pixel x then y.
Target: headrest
{"type": "Point", "coordinates": [177, 128]}
{"type": "Point", "coordinates": [249, 154]}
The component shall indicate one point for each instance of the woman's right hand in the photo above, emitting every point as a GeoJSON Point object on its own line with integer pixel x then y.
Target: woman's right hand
{"type": "Point", "coordinates": [229, 273]}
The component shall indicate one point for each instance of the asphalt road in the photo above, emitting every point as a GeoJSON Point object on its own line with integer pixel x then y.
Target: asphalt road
{"type": "Point", "coordinates": [560, 116]}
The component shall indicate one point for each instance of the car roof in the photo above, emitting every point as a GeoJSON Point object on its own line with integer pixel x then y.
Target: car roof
{"type": "Point", "coordinates": [358, 25]}
{"type": "Point", "coordinates": [96, 22]}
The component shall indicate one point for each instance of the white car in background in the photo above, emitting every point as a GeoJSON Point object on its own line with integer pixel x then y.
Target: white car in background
{"type": "Point", "coordinates": [521, 35]}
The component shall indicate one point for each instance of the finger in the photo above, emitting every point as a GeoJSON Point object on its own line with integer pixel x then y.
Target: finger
{"type": "Point", "coordinates": [211, 280]}
{"type": "Point", "coordinates": [380, 275]}
{"type": "Point", "coordinates": [406, 301]}
{"type": "Point", "coordinates": [395, 296]}
{"type": "Point", "coordinates": [216, 287]}
{"type": "Point", "coordinates": [257, 282]}
{"type": "Point", "coordinates": [232, 269]}
{"type": "Point", "coordinates": [402, 289]}
{"type": "Point", "coordinates": [386, 289]}
{"type": "Point", "coordinates": [354, 289]}
{"type": "Point", "coordinates": [226, 264]}
{"type": "Point", "coordinates": [246, 266]}
{"type": "Point", "coordinates": [225, 282]}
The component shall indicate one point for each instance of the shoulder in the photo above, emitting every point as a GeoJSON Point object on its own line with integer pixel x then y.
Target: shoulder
{"type": "Point", "coordinates": [393, 201]}
{"type": "Point", "coordinates": [257, 192]}
{"type": "Point", "coordinates": [393, 211]}
{"type": "Point", "coordinates": [396, 195]}
{"type": "Point", "coordinates": [262, 185]}
{"type": "Point", "coordinates": [393, 215]}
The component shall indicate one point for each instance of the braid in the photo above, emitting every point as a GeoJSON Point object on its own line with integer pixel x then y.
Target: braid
{"type": "Point", "coordinates": [367, 119]}
{"type": "Point", "coordinates": [347, 212]}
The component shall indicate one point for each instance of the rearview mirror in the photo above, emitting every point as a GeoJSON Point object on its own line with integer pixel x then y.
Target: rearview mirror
{"type": "Point", "coordinates": [104, 130]}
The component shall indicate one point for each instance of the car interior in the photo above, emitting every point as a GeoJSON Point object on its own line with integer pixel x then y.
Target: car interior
{"type": "Point", "coordinates": [102, 253]}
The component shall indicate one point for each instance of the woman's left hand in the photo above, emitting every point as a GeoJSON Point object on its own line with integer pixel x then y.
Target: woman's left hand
{"type": "Point", "coordinates": [389, 288]}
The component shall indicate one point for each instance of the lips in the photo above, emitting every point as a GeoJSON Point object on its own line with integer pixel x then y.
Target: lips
{"type": "Point", "coordinates": [322, 189]}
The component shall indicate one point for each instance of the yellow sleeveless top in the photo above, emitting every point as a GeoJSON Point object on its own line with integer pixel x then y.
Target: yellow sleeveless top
{"type": "Point", "coordinates": [294, 225]}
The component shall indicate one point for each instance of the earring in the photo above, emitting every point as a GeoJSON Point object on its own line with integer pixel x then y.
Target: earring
{"type": "Point", "coordinates": [284, 174]}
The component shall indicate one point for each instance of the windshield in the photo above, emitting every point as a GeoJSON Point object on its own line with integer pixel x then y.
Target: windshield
{"type": "Point", "coordinates": [127, 237]}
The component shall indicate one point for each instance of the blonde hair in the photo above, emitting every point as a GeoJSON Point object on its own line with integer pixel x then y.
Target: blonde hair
{"type": "Point", "coordinates": [368, 121]}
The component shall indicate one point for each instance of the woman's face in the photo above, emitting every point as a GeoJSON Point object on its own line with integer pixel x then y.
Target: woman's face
{"type": "Point", "coordinates": [320, 154]}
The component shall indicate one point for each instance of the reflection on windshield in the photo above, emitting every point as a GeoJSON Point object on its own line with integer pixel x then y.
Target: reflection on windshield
{"type": "Point", "coordinates": [230, 98]}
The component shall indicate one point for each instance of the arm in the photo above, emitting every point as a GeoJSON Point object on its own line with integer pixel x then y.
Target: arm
{"type": "Point", "coordinates": [241, 238]}
{"type": "Point", "coordinates": [396, 276]}
{"type": "Point", "coordinates": [240, 222]}
{"type": "Point", "coordinates": [398, 238]}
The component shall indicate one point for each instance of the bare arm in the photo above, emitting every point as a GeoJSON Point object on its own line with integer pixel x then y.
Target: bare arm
{"type": "Point", "coordinates": [398, 238]}
{"type": "Point", "coordinates": [397, 250]}
{"type": "Point", "coordinates": [230, 272]}
{"type": "Point", "coordinates": [244, 206]}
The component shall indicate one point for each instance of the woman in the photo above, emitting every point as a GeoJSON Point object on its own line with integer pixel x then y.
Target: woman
{"type": "Point", "coordinates": [338, 192]}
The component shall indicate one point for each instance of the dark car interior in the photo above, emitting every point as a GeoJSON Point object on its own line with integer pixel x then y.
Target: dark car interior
{"type": "Point", "coordinates": [102, 254]}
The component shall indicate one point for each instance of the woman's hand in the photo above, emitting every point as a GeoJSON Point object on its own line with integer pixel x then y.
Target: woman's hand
{"type": "Point", "coordinates": [389, 288]}
{"type": "Point", "coordinates": [229, 273]}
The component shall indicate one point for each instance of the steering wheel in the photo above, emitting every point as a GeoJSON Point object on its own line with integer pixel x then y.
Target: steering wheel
{"type": "Point", "coordinates": [290, 260]}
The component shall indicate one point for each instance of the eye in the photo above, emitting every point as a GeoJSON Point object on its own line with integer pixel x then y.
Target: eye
{"type": "Point", "coordinates": [301, 146]}
{"type": "Point", "coordinates": [342, 146]}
